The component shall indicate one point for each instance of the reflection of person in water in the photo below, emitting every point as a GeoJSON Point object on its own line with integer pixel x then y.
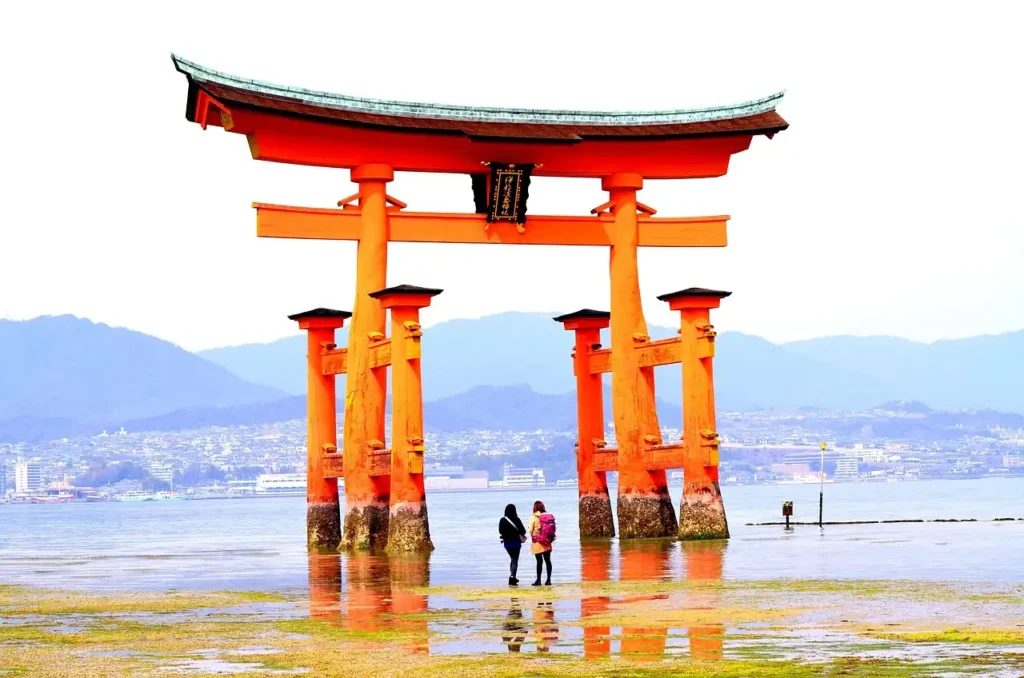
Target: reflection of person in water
{"type": "Point", "coordinates": [513, 627]}
{"type": "Point", "coordinates": [545, 626]}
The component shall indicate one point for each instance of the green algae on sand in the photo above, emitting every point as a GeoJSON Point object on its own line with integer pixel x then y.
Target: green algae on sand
{"type": "Point", "coordinates": [770, 628]}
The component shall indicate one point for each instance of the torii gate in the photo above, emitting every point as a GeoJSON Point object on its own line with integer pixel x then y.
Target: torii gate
{"type": "Point", "coordinates": [500, 149]}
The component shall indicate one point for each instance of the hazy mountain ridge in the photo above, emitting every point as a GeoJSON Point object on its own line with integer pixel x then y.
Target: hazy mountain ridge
{"type": "Point", "coordinates": [63, 376]}
{"type": "Point", "coordinates": [63, 367]}
{"type": "Point", "coordinates": [979, 372]}
{"type": "Point", "coordinates": [750, 372]}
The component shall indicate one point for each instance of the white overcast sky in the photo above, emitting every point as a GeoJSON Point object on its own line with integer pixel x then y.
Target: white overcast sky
{"type": "Point", "coordinates": [891, 206]}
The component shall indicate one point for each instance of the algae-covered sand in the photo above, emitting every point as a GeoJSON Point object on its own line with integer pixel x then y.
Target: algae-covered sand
{"type": "Point", "coordinates": [642, 628]}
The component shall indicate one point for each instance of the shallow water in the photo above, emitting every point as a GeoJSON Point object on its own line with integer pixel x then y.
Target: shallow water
{"type": "Point", "coordinates": [765, 595]}
{"type": "Point", "coordinates": [259, 544]}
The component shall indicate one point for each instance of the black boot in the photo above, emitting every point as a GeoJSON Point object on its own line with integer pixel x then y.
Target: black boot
{"type": "Point", "coordinates": [536, 583]}
{"type": "Point", "coordinates": [512, 581]}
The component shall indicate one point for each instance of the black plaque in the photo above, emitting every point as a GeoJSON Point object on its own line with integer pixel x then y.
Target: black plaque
{"type": "Point", "coordinates": [509, 189]}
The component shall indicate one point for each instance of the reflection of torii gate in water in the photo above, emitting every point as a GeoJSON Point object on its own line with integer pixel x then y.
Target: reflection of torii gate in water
{"type": "Point", "coordinates": [384, 494]}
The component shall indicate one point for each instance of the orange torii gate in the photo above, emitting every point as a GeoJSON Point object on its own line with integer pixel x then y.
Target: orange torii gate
{"type": "Point", "coordinates": [500, 149]}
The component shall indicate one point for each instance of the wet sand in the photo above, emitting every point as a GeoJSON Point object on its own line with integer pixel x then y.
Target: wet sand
{"type": "Point", "coordinates": [386, 620]}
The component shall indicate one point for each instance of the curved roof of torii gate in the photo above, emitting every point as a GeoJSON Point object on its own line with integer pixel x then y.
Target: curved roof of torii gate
{"type": "Point", "coordinates": [295, 125]}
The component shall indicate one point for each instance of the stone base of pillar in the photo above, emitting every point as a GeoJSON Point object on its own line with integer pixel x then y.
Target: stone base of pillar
{"type": "Point", "coordinates": [702, 515]}
{"type": "Point", "coordinates": [596, 516]}
{"type": "Point", "coordinates": [323, 526]}
{"type": "Point", "coordinates": [366, 528]}
{"type": "Point", "coordinates": [646, 516]}
{"type": "Point", "coordinates": [408, 529]}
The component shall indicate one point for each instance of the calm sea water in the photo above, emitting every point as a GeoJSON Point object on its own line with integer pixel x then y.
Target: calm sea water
{"type": "Point", "coordinates": [260, 543]}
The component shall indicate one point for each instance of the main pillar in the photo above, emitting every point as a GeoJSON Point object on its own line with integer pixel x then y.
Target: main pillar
{"type": "Point", "coordinates": [701, 512]}
{"type": "Point", "coordinates": [644, 504]}
{"type": "Point", "coordinates": [595, 507]}
{"type": "Point", "coordinates": [323, 517]}
{"type": "Point", "coordinates": [408, 528]}
{"type": "Point", "coordinates": [366, 496]}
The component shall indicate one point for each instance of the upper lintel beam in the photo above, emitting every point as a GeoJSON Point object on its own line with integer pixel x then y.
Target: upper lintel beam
{"type": "Point", "coordinates": [280, 221]}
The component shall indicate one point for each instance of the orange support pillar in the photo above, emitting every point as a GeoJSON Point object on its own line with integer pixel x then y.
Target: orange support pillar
{"type": "Point", "coordinates": [701, 512]}
{"type": "Point", "coordinates": [644, 504]}
{"type": "Point", "coordinates": [595, 507]}
{"type": "Point", "coordinates": [367, 497]}
{"type": "Point", "coordinates": [323, 517]}
{"type": "Point", "coordinates": [408, 528]}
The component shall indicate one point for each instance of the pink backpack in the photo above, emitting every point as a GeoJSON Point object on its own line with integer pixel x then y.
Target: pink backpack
{"type": "Point", "coordinates": [546, 534]}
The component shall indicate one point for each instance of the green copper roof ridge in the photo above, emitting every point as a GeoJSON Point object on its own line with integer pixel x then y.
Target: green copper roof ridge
{"type": "Point", "coordinates": [201, 74]}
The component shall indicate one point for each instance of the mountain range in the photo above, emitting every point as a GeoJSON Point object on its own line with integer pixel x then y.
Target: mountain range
{"type": "Point", "coordinates": [750, 372]}
{"type": "Point", "coordinates": [65, 376]}
{"type": "Point", "coordinates": [67, 367]}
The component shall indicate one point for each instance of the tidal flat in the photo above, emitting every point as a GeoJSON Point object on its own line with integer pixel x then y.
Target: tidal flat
{"type": "Point", "coordinates": [393, 627]}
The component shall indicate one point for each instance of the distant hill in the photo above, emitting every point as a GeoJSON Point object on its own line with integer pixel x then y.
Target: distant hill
{"type": "Point", "coordinates": [251, 414]}
{"type": "Point", "coordinates": [530, 348]}
{"type": "Point", "coordinates": [63, 376]}
{"type": "Point", "coordinates": [519, 408]}
{"type": "Point", "coordinates": [750, 372]}
{"type": "Point", "coordinates": [30, 429]}
{"type": "Point", "coordinates": [63, 367]}
{"type": "Point", "coordinates": [516, 407]}
{"type": "Point", "coordinates": [977, 372]}
{"type": "Point", "coordinates": [280, 364]}
{"type": "Point", "coordinates": [499, 350]}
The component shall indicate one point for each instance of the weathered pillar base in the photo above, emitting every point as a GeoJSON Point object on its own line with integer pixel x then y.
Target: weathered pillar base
{"type": "Point", "coordinates": [646, 516]}
{"type": "Point", "coordinates": [596, 516]}
{"type": "Point", "coordinates": [408, 529]}
{"type": "Point", "coordinates": [366, 528]}
{"type": "Point", "coordinates": [702, 515]}
{"type": "Point", "coordinates": [323, 526]}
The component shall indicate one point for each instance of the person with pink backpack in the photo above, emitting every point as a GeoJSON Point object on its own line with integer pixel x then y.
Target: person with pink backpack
{"type": "Point", "coordinates": [542, 531]}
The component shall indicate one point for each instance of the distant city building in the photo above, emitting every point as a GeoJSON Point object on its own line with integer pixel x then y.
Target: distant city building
{"type": "Point", "coordinates": [791, 469]}
{"type": "Point", "coordinates": [3, 480]}
{"type": "Point", "coordinates": [442, 470]}
{"type": "Point", "coordinates": [439, 477]}
{"type": "Point", "coordinates": [163, 472]}
{"type": "Point", "coordinates": [1013, 461]}
{"type": "Point", "coordinates": [27, 477]}
{"type": "Point", "coordinates": [281, 483]}
{"type": "Point", "coordinates": [523, 477]}
{"type": "Point", "coordinates": [847, 467]}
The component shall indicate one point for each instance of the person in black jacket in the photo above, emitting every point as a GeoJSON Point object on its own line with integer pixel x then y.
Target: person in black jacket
{"type": "Point", "coordinates": [512, 534]}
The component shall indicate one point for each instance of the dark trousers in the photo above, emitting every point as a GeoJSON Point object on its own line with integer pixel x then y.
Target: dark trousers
{"type": "Point", "coordinates": [513, 554]}
{"type": "Point", "coordinates": [543, 558]}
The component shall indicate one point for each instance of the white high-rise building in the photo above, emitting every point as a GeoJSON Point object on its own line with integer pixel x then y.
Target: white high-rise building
{"type": "Point", "coordinates": [27, 477]}
{"type": "Point", "coordinates": [847, 467]}
{"type": "Point", "coordinates": [163, 472]}
{"type": "Point", "coordinates": [523, 477]}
